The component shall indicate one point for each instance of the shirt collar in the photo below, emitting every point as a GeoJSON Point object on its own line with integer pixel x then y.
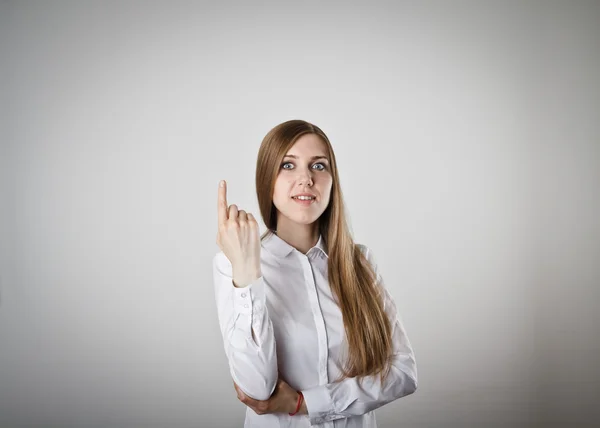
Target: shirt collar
{"type": "Point", "coordinates": [278, 247]}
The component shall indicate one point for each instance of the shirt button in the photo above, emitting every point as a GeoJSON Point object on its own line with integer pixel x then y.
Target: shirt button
{"type": "Point", "coordinates": [243, 294]}
{"type": "Point", "coordinates": [246, 306]}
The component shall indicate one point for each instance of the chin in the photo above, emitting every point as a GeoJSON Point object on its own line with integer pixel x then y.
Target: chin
{"type": "Point", "coordinates": [302, 219]}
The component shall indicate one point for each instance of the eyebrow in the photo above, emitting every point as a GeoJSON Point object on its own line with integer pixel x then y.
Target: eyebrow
{"type": "Point", "coordinates": [312, 158]}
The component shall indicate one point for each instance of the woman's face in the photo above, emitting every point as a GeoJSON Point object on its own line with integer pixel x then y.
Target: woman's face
{"type": "Point", "coordinates": [304, 169]}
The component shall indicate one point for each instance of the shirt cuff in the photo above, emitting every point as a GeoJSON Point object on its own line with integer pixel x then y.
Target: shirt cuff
{"type": "Point", "coordinates": [245, 298]}
{"type": "Point", "coordinates": [319, 405]}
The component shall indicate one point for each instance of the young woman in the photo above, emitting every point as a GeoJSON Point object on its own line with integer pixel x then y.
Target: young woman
{"type": "Point", "coordinates": [311, 333]}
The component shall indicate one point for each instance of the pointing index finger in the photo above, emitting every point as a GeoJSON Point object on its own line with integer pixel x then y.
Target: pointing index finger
{"type": "Point", "coordinates": [222, 202]}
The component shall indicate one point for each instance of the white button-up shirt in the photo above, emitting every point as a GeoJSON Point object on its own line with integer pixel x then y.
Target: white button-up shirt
{"type": "Point", "coordinates": [287, 323]}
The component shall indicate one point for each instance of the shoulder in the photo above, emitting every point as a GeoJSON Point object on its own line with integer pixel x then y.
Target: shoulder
{"type": "Point", "coordinates": [389, 303]}
{"type": "Point", "coordinates": [366, 251]}
{"type": "Point", "coordinates": [370, 258]}
{"type": "Point", "coordinates": [363, 248]}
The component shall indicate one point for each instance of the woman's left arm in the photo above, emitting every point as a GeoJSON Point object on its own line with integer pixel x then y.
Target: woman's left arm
{"type": "Point", "coordinates": [349, 397]}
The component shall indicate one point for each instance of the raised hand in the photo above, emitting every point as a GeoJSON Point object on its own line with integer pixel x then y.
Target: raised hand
{"type": "Point", "coordinates": [238, 238]}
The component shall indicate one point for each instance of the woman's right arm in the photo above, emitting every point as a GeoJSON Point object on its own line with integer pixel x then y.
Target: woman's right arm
{"type": "Point", "coordinates": [241, 302]}
{"type": "Point", "coordinates": [247, 331]}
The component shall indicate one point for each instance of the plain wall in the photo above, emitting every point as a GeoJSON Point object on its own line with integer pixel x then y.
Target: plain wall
{"type": "Point", "coordinates": [468, 140]}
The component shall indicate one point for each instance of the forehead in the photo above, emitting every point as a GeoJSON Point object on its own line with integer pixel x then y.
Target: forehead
{"type": "Point", "coordinates": [308, 145]}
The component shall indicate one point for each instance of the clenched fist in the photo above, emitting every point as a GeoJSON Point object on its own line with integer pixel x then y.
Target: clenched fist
{"type": "Point", "coordinates": [238, 237]}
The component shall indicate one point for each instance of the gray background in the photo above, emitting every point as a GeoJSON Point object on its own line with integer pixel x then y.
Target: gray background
{"type": "Point", "coordinates": [468, 140]}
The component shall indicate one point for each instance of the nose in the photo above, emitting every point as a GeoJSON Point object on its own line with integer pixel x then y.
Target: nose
{"type": "Point", "coordinates": [305, 177]}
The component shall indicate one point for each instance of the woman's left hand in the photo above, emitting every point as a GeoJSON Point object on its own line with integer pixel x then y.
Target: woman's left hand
{"type": "Point", "coordinates": [283, 399]}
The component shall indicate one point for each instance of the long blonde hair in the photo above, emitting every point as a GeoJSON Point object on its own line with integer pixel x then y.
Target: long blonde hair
{"type": "Point", "coordinates": [351, 277]}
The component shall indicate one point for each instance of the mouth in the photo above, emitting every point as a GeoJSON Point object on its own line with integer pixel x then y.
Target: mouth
{"type": "Point", "coordinates": [304, 203]}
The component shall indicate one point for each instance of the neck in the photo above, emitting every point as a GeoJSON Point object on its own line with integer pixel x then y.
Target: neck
{"type": "Point", "coordinates": [300, 236]}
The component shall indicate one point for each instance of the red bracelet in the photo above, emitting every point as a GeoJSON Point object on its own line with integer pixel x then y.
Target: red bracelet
{"type": "Point", "coordinates": [300, 398]}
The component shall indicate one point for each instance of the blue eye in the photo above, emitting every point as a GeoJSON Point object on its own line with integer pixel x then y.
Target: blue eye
{"type": "Point", "coordinates": [318, 163]}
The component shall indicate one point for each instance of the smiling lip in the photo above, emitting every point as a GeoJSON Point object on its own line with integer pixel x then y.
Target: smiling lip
{"type": "Point", "coordinates": [304, 203]}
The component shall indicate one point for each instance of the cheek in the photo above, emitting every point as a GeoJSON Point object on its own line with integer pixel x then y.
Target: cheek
{"type": "Point", "coordinates": [279, 192]}
{"type": "Point", "coordinates": [328, 186]}
{"type": "Point", "coordinates": [283, 184]}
